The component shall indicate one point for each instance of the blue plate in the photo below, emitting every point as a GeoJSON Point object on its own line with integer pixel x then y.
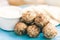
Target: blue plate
{"type": "Point", "coordinates": [4, 35]}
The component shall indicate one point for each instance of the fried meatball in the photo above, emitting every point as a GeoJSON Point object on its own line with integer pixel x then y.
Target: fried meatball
{"type": "Point", "coordinates": [41, 20]}
{"type": "Point", "coordinates": [20, 28]}
{"type": "Point", "coordinates": [28, 17]}
{"type": "Point", "coordinates": [49, 31]}
{"type": "Point", "coordinates": [33, 31]}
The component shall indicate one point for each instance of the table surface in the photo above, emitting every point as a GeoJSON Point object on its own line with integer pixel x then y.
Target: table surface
{"type": "Point", "coordinates": [5, 35]}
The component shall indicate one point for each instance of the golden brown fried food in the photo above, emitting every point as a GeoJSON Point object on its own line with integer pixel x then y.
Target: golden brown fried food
{"type": "Point", "coordinates": [20, 28]}
{"type": "Point", "coordinates": [28, 17]}
{"type": "Point", "coordinates": [33, 31]}
{"type": "Point", "coordinates": [49, 31]}
{"type": "Point", "coordinates": [16, 2]}
{"type": "Point", "coordinates": [41, 20]}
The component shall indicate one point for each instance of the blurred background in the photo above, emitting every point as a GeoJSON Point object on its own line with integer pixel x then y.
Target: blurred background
{"type": "Point", "coordinates": [24, 2]}
{"type": "Point", "coordinates": [53, 2]}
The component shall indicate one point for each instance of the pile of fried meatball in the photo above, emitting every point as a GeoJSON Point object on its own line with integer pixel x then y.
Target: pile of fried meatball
{"type": "Point", "coordinates": [33, 23]}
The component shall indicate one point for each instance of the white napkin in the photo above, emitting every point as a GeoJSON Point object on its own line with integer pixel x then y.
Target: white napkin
{"type": "Point", "coordinates": [49, 11]}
